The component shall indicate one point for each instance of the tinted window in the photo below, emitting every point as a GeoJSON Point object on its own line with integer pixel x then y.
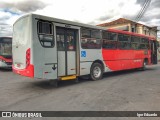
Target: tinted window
{"type": "Point", "coordinates": [5, 40]}
{"type": "Point", "coordinates": [71, 38]}
{"type": "Point", "coordinates": [124, 45]}
{"type": "Point", "coordinates": [45, 27]}
{"type": "Point", "coordinates": [109, 44]}
{"type": "Point", "coordinates": [105, 35]}
{"type": "Point", "coordinates": [144, 40]}
{"type": "Point", "coordinates": [86, 33]}
{"type": "Point", "coordinates": [45, 32]}
{"type": "Point", "coordinates": [135, 42]}
{"type": "Point", "coordinates": [109, 40]}
{"type": "Point", "coordinates": [144, 43]}
{"type": "Point", "coordinates": [112, 36]}
{"type": "Point", "coordinates": [124, 41]}
{"type": "Point", "coordinates": [95, 34]}
{"type": "Point", "coordinates": [5, 46]}
{"type": "Point", "coordinates": [90, 39]}
{"type": "Point", "coordinates": [60, 33]}
{"type": "Point", "coordinates": [124, 38]}
{"type": "Point", "coordinates": [135, 39]}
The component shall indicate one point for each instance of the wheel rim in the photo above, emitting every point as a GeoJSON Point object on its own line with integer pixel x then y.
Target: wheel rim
{"type": "Point", "coordinates": [96, 72]}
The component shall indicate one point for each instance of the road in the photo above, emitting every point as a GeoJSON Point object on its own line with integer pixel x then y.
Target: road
{"type": "Point", "coordinates": [129, 90]}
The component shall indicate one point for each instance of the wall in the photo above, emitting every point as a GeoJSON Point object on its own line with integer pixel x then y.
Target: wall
{"type": "Point", "coordinates": [119, 26]}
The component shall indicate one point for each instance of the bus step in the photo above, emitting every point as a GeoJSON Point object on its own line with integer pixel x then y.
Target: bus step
{"type": "Point", "coordinates": [68, 77]}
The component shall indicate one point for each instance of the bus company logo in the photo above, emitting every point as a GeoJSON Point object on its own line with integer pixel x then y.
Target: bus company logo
{"type": "Point", "coordinates": [6, 114]}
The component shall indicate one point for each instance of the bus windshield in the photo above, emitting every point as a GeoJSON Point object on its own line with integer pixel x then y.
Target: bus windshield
{"type": "Point", "coordinates": [5, 47]}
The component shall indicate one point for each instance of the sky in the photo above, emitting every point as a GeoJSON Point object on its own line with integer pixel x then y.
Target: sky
{"type": "Point", "coordinates": [91, 12]}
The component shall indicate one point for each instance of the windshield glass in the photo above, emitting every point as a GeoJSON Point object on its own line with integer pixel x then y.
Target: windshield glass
{"type": "Point", "coordinates": [5, 47]}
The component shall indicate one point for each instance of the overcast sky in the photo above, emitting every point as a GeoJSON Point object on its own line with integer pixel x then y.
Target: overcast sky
{"type": "Point", "coordinates": [85, 11]}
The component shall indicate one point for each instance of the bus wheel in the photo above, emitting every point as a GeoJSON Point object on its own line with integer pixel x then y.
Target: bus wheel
{"type": "Point", "coordinates": [144, 65]}
{"type": "Point", "coordinates": [96, 72]}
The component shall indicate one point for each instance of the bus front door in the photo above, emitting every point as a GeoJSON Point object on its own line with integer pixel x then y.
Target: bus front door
{"type": "Point", "coordinates": [153, 52]}
{"type": "Point", "coordinates": [66, 47]}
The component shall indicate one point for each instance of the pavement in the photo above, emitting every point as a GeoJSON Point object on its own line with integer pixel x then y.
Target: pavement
{"type": "Point", "coordinates": [130, 90]}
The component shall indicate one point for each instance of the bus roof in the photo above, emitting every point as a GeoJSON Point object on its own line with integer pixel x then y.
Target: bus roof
{"type": "Point", "coordinates": [52, 19]}
{"type": "Point", "coordinates": [130, 33]}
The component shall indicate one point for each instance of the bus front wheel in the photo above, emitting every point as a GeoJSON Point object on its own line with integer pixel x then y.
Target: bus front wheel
{"type": "Point", "coordinates": [96, 71]}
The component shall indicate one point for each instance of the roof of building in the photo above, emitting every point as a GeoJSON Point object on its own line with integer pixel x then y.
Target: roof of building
{"type": "Point", "coordinates": [122, 21]}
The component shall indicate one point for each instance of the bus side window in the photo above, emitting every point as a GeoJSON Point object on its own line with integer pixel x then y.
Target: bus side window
{"type": "Point", "coordinates": [134, 42]}
{"type": "Point", "coordinates": [60, 36]}
{"type": "Point", "coordinates": [45, 34]}
{"type": "Point", "coordinates": [60, 42]}
{"type": "Point", "coordinates": [109, 40]}
{"type": "Point", "coordinates": [90, 38]}
{"type": "Point", "coordinates": [144, 44]}
{"type": "Point", "coordinates": [124, 41]}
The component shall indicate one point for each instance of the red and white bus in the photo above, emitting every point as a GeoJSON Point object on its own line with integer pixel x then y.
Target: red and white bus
{"type": "Point", "coordinates": [5, 52]}
{"type": "Point", "coordinates": [50, 48]}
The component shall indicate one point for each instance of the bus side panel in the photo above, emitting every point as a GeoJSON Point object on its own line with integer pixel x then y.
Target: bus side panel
{"type": "Point", "coordinates": [44, 58]}
{"type": "Point", "coordinates": [85, 68]}
{"type": "Point", "coordinates": [87, 57]}
{"type": "Point", "coordinates": [123, 59]}
{"type": "Point", "coordinates": [38, 52]}
{"type": "Point", "coordinates": [139, 58]}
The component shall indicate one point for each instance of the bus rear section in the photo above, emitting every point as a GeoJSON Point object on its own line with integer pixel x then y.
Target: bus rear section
{"type": "Point", "coordinates": [34, 48]}
{"type": "Point", "coordinates": [5, 52]}
{"type": "Point", "coordinates": [21, 47]}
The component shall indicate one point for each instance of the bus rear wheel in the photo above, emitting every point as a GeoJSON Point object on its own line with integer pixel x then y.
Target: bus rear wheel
{"type": "Point", "coordinates": [96, 71]}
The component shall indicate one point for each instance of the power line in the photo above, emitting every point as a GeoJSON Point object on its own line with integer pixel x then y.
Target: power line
{"type": "Point", "coordinates": [143, 10]}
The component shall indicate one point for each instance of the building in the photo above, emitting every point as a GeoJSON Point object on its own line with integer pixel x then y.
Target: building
{"type": "Point", "coordinates": [131, 26]}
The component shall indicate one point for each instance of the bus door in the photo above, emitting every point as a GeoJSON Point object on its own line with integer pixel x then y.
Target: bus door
{"type": "Point", "coordinates": [66, 47]}
{"type": "Point", "coordinates": [153, 52]}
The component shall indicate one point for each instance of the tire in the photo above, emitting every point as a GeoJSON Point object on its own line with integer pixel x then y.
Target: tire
{"type": "Point", "coordinates": [85, 77]}
{"type": "Point", "coordinates": [96, 71]}
{"type": "Point", "coordinates": [144, 65]}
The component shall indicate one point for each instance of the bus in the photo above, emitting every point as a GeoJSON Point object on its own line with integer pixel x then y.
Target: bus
{"type": "Point", "coordinates": [51, 48]}
{"type": "Point", "coordinates": [5, 52]}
